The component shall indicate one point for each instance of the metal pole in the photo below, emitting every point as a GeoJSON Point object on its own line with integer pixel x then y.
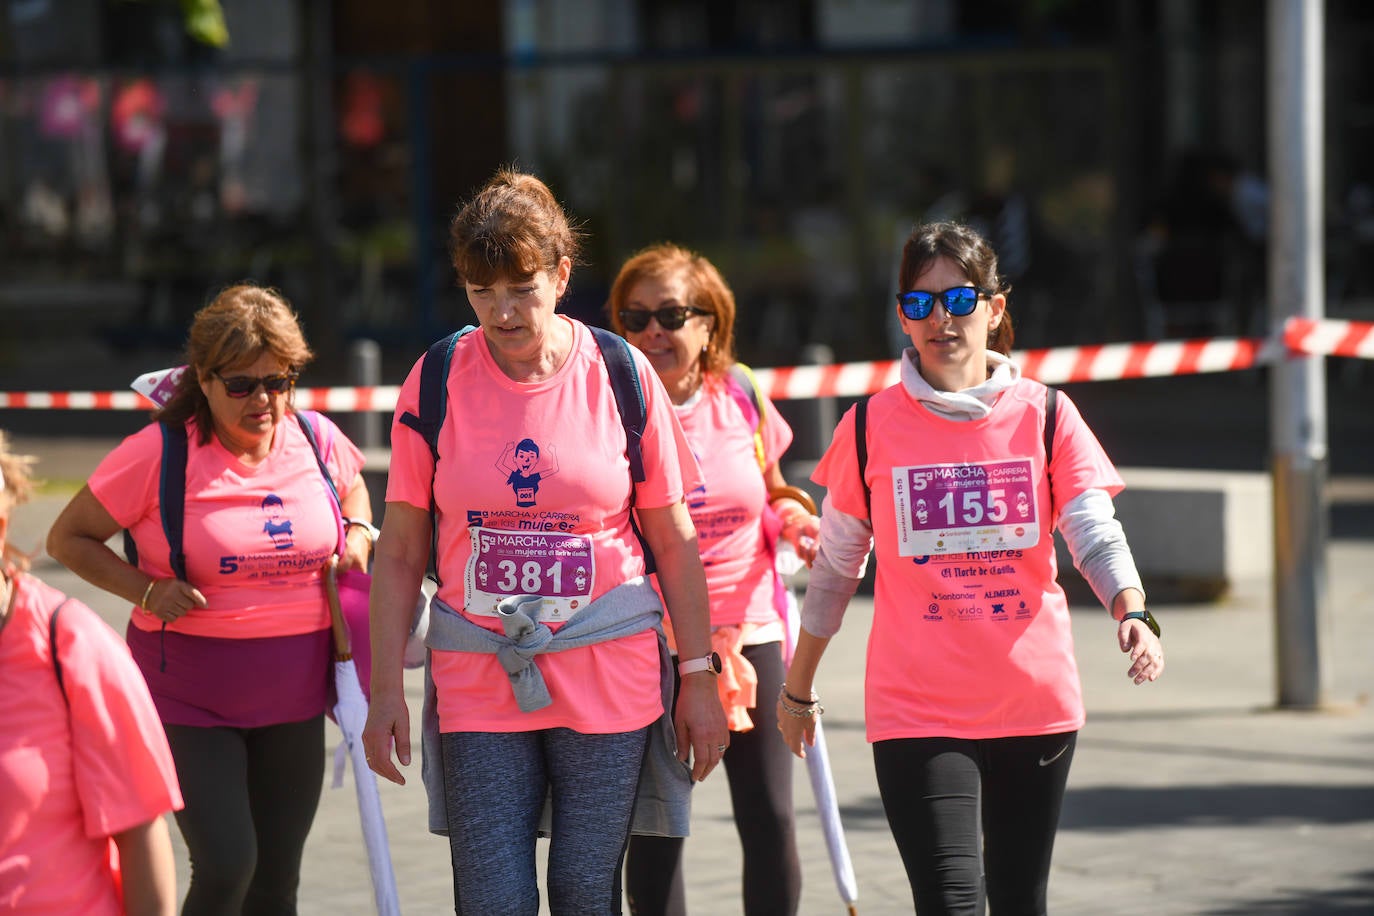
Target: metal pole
{"type": "Point", "coordinates": [1297, 386]}
{"type": "Point", "coordinates": [365, 371]}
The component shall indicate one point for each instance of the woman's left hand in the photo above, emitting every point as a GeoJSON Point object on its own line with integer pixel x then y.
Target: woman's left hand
{"type": "Point", "coordinates": [700, 724]}
{"type": "Point", "coordinates": [803, 532]}
{"type": "Point", "coordinates": [357, 550]}
{"type": "Point", "coordinates": [1145, 649]}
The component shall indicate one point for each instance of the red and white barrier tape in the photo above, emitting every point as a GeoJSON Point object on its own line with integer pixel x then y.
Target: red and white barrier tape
{"type": "Point", "coordinates": [1053, 366]}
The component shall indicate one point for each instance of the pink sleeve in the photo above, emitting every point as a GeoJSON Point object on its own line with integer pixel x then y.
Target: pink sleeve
{"type": "Point", "coordinates": [126, 480]}
{"type": "Point", "coordinates": [410, 478]}
{"type": "Point", "coordinates": [670, 468]}
{"type": "Point", "coordinates": [1079, 462]}
{"type": "Point", "coordinates": [838, 470]}
{"type": "Point", "coordinates": [121, 764]}
{"type": "Point", "coordinates": [777, 435]}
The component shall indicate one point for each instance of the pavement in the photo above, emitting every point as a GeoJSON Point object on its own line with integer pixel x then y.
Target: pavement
{"type": "Point", "coordinates": [1192, 795]}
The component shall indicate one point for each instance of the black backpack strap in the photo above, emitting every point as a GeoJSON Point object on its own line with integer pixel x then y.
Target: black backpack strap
{"type": "Point", "coordinates": [1051, 416]}
{"type": "Point", "coordinates": [629, 396]}
{"type": "Point", "coordinates": [861, 447]}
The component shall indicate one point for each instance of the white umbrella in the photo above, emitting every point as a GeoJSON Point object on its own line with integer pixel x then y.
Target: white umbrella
{"type": "Point", "coordinates": [350, 711]}
{"type": "Point", "coordinates": [818, 764]}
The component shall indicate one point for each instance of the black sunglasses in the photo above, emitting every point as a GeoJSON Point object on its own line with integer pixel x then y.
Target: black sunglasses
{"type": "Point", "coordinates": [958, 301]}
{"type": "Point", "coordinates": [241, 386]}
{"type": "Point", "coordinates": [670, 317]}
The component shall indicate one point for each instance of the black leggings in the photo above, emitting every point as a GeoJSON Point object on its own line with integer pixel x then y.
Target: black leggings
{"type": "Point", "coordinates": [759, 767]}
{"type": "Point", "coordinates": [251, 795]}
{"type": "Point", "coordinates": [932, 791]}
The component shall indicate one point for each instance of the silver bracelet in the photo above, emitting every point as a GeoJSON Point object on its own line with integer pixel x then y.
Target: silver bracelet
{"type": "Point", "coordinates": [812, 710]}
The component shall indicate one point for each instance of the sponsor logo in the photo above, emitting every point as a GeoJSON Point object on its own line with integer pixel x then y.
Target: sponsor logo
{"type": "Point", "coordinates": [953, 596]}
{"type": "Point", "coordinates": [999, 608]}
{"type": "Point", "coordinates": [1002, 593]}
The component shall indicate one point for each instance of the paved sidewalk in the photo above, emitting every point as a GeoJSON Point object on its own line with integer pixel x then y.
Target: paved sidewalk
{"type": "Point", "coordinates": [1189, 796]}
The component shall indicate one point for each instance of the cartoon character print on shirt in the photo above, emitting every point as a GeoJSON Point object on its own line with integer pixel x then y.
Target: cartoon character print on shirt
{"type": "Point", "coordinates": [285, 547]}
{"type": "Point", "coordinates": [277, 526]}
{"type": "Point", "coordinates": [525, 467]}
{"type": "Point", "coordinates": [528, 553]}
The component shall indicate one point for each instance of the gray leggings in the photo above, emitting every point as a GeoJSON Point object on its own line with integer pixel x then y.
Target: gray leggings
{"type": "Point", "coordinates": [495, 784]}
{"type": "Point", "coordinates": [251, 795]}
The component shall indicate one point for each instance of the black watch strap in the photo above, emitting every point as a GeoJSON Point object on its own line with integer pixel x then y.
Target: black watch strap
{"type": "Point", "coordinates": [1147, 617]}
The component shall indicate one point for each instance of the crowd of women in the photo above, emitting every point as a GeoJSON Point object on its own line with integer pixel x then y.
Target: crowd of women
{"type": "Point", "coordinates": [602, 515]}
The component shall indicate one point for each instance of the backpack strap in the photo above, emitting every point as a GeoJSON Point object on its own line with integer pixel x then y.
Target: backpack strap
{"type": "Point", "coordinates": [307, 420]}
{"type": "Point", "coordinates": [171, 494]}
{"type": "Point", "coordinates": [861, 448]}
{"type": "Point", "coordinates": [52, 648]}
{"type": "Point", "coordinates": [629, 395]}
{"type": "Point", "coordinates": [634, 415]}
{"type": "Point", "coordinates": [434, 370]}
{"type": "Point", "coordinates": [744, 388]}
{"type": "Point", "coordinates": [1051, 416]}
{"type": "Point", "coordinates": [433, 405]}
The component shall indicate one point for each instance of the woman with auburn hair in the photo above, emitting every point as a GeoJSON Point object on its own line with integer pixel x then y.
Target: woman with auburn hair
{"type": "Point", "coordinates": [676, 308]}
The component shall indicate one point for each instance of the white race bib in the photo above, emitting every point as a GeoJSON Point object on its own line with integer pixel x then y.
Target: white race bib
{"type": "Point", "coordinates": [965, 508]}
{"type": "Point", "coordinates": [557, 567]}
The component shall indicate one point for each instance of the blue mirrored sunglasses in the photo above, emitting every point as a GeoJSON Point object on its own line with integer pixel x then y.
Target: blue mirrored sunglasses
{"type": "Point", "coordinates": [958, 301]}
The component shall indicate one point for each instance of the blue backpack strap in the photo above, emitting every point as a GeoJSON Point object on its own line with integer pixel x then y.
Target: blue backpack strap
{"type": "Point", "coordinates": [307, 420]}
{"type": "Point", "coordinates": [433, 407]}
{"type": "Point", "coordinates": [629, 396]}
{"type": "Point", "coordinates": [745, 390]}
{"type": "Point", "coordinates": [171, 494]}
{"type": "Point", "coordinates": [434, 390]}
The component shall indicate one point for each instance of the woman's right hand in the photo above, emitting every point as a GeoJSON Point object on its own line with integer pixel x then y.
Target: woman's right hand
{"type": "Point", "coordinates": [169, 599]}
{"type": "Point", "coordinates": [388, 726]}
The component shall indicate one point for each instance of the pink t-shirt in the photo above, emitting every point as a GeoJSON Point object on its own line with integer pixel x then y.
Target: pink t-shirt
{"type": "Point", "coordinates": [72, 776]}
{"type": "Point", "coordinates": [256, 538]}
{"type": "Point", "coordinates": [971, 634]}
{"type": "Point", "coordinates": [728, 508]}
{"type": "Point", "coordinates": [533, 497]}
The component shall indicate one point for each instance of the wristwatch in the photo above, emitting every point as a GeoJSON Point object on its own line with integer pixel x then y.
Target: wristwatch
{"type": "Point", "coordinates": [1147, 617]}
{"type": "Point", "coordinates": [709, 663]}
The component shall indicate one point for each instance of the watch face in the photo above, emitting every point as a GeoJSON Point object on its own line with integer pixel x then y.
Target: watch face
{"type": "Point", "coordinates": [714, 658]}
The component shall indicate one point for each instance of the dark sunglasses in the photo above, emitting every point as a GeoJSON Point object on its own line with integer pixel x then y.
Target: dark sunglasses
{"type": "Point", "coordinates": [670, 317]}
{"type": "Point", "coordinates": [241, 386]}
{"type": "Point", "coordinates": [958, 301]}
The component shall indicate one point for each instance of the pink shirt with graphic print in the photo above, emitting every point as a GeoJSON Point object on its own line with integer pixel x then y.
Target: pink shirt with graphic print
{"type": "Point", "coordinates": [975, 644]}
{"type": "Point", "coordinates": [728, 508]}
{"type": "Point", "coordinates": [74, 771]}
{"type": "Point", "coordinates": [541, 468]}
{"type": "Point", "coordinates": [256, 537]}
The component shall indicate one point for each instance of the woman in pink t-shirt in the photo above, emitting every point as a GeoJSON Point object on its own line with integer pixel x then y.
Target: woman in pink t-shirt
{"type": "Point", "coordinates": [233, 636]}
{"type": "Point", "coordinates": [972, 697]}
{"type": "Point", "coordinates": [675, 307]}
{"type": "Point", "coordinates": [85, 773]}
{"type": "Point", "coordinates": [539, 518]}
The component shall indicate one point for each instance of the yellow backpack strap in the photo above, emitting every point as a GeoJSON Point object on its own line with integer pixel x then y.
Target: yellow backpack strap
{"type": "Point", "coordinates": [744, 377]}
